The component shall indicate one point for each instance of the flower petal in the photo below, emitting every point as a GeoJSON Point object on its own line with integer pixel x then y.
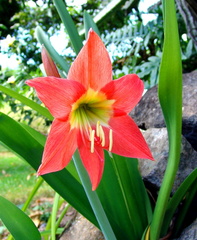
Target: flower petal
{"type": "Point", "coordinates": [92, 67]}
{"type": "Point", "coordinates": [93, 162]}
{"type": "Point", "coordinates": [128, 141]}
{"type": "Point", "coordinates": [126, 91]}
{"type": "Point", "coordinates": [57, 94]}
{"type": "Point", "coordinates": [60, 146]}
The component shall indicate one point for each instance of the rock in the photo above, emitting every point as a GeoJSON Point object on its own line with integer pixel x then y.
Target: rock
{"type": "Point", "coordinates": [148, 114]}
{"type": "Point", "coordinates": [189, 233]}
{"type": "Point", "coordinates": [189, 130]}
{"type": "Point", "coordinates": [82, 229]}
{"type": "Point", "coordinates": [153, 171]}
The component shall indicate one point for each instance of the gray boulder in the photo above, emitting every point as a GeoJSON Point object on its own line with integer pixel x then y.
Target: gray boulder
{"type": "Point", "coordinates": [148, 114]}
{"type": "Point", "coordinates": [153, 171]}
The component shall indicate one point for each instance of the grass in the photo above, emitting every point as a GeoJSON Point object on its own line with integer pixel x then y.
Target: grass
{"type": "Point", "coordinates": [17, 179]}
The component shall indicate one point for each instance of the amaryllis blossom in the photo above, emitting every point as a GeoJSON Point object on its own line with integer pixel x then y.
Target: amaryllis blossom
{"type": "Point", "coordinates": [90, 113]}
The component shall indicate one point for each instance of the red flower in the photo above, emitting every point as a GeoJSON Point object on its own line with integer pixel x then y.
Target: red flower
{"type": "Point", "coordinates": [91, 113]}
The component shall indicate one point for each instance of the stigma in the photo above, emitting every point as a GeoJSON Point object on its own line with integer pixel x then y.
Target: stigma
{"type": "Point", "coordinates": [98, 136]}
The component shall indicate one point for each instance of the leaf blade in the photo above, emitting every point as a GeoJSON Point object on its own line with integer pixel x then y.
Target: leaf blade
{"type": "Point", "coordinates": [17, 222]}
{"type": "Point", "coordinates": [25, 146]}
{"type": "Point", "coordinates": [69, 25]}
{"type": "Point", "coordinates": [27, 101]}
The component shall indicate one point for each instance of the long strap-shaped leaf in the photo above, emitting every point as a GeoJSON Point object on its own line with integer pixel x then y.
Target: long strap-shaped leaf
{"type": "Point", "coordinates": [178, 197]}
{"type": "Point", "coordinates": [89, 23]}
{"type": "Point", "coordinates": [24, 144]}
{"type": "Point", "coordinates": [69, 25]}
{"type": "Point", "coordinates": [170, 96]}
{"type": "Point", "coordinates": [119, 188]}
{"type": "Point", "coordinates": [27, 102]}
{"type": "Point", "coordinates": [20, 228]}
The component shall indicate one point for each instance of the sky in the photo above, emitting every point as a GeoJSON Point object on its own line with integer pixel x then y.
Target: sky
{"type": "Point", "coordinates": [5, 61]}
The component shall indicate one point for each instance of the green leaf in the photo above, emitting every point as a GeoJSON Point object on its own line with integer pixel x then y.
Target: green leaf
{"type": "Point", "coordinates": [69, 25]}
{"type": "Point", "coordinates": [44, 40]}
{"type": "Point", "coordinates": [170, 96]}
{"type": "Point", "coordinates": [89, 23]}
{"type": "Point", "coordinates": [17, 222]}
{"type": "Point", "coordinates": [36, 135]}
{"type": "Point", "coordinates": [189, 198]}
{"type": "Point", "coordinates": [178, 197]}
{"type": "Point", "coordinates": [27, 102]}
{"type": "Point", "coordinates": [124, 198]}
{"type": "Point", "coordinates": [21, 142]}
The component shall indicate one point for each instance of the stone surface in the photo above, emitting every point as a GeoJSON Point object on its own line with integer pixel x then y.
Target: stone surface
{"type": "Point", "coordinates": [148, 114]}
{"type": "Point", "coordinates": [189, 130]}
{"type": "Point", "coordinates": [153, 171]}
{"type": "Point", "coordinates": [82, 229]}
{"type": "Point", "coordinates": [189, 233]}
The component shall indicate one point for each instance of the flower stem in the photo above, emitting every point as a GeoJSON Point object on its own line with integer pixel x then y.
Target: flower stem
{"type": "Point", "coordinates": [94, 200]}
{"type": "Point", "coordinates": [54, 215]}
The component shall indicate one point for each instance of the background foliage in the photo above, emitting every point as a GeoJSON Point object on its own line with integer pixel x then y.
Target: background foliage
{"type": "Point", "coordinates": [135, 46]}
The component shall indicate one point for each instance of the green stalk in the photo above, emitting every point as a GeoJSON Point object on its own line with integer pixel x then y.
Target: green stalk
{"type": "Point", "coordinates": [170, 96]}
{"type": "Point", "coordinates": [53, 216]}
{"type": "Point", "coordinates": [93, 199]}
{"type": "Point", "coordinates": [32, 194]}
{"type": "Point", "coordinates": [64, 211]}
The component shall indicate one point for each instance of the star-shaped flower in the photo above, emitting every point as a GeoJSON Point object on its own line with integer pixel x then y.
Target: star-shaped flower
{"type": "Point", "coordinates": [91, 113]}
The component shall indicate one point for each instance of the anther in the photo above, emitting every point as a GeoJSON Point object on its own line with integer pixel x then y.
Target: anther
{"type": "Point", "coordinates": [110, 140]}
{"type": "Point", "coordinates": [92, 134]}
{"type": "Point", "coordinates": [97, 128]}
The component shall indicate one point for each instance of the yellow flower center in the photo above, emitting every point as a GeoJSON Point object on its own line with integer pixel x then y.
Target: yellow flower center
{"type": "Point", "coordinates": [89, 113]}
{"type": "Point", "coordinates": [90, 108]}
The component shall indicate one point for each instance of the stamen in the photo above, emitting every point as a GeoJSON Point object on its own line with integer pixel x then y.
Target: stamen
{"type": "Point", "coordinates": [102, 136]}
{"type": "Point", "coordinates": [110, 140]}
{"type": "Point", "coordinates": [97, 128]}
{"type": "Point", "coordinates": [92, 134]}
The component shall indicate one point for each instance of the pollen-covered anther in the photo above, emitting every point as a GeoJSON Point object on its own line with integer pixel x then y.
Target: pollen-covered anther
{"type": "Point", "coordinates": [97, 128]}
{"type": "Point", "coordinates": [110, 140]}
{"type": "Point", "coordinates": [92, 134]}
{"type": "Point", "coordinates": [99, 133]}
